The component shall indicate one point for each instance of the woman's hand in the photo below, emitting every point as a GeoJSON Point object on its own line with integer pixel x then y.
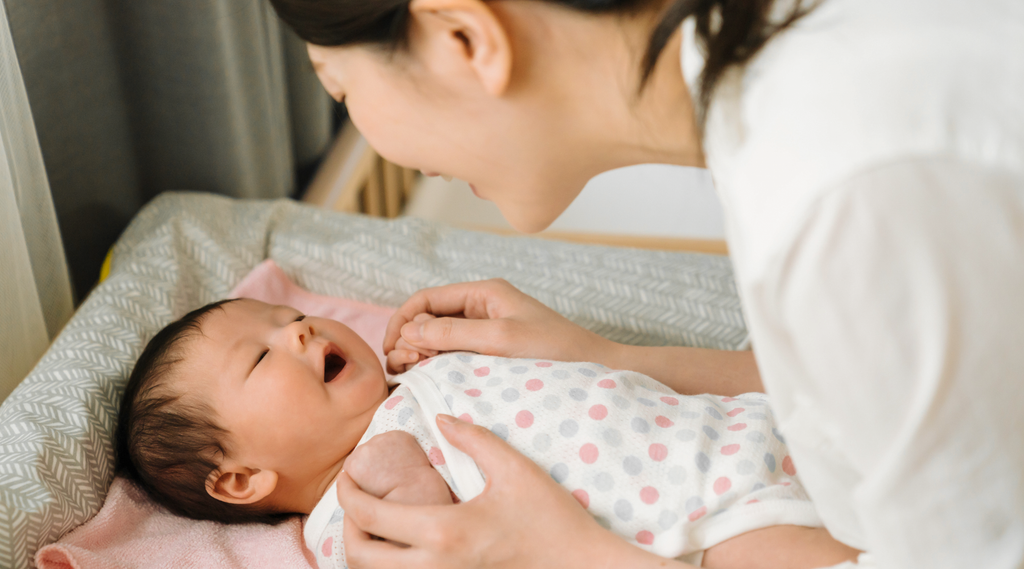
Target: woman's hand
{"type": "Point", "coordinates": [523, 518]}
{"type": "Point", "coordinates": [489, 317]}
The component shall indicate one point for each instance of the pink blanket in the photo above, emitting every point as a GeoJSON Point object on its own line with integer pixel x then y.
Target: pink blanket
{"type": "Point", "coordinates": [131, 531]}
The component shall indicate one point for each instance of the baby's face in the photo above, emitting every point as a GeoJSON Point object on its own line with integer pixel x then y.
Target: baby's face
{"type": "Point", "coordinates": [295, 393]}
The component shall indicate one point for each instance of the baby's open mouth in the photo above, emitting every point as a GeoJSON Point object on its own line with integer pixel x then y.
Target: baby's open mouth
{"type": "Point", "coordinates": [333, 364]}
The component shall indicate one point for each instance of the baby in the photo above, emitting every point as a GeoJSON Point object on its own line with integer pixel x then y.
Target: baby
{"type": "Point", "coordinates": [243, 411]}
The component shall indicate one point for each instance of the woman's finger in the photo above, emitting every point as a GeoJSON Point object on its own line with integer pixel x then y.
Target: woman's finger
{"type": "Point", "coordinates": [473, 299]}
{"type": "Point", "coordinates": [391, 520]}
{"type": "Point", "coordinates": [495, 457]}
{"type": "Point", "coordinates": [450, 334]}
{"type": "Point", "coordinates": [362, 551]}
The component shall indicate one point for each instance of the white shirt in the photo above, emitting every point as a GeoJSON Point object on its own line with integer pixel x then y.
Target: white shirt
{"type": "Point", "coordinates": [870, 162]}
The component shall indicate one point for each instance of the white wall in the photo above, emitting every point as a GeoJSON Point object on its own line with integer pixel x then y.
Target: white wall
{"type": "Point", "coordinates": [648, 200]}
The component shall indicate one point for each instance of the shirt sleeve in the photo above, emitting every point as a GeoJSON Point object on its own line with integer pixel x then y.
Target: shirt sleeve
{"type": "Point", "coordinates": [897, 315]}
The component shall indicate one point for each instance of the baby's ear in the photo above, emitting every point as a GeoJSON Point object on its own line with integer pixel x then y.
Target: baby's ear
{"type": "Point", "coordinates": [236, 484]}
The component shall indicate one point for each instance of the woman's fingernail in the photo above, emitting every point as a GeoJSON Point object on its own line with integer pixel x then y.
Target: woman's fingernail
{"type": "Point", "coordinates": [448, 419]}
{"type": "Point", "coordinates": [413, 333]}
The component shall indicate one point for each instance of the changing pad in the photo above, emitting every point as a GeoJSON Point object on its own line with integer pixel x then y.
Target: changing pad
{"type": "Point", "coordinates": [186, 249]}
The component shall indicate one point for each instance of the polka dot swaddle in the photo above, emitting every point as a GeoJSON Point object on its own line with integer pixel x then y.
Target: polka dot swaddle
{"type": "Point", "coordinates": [672, 474]}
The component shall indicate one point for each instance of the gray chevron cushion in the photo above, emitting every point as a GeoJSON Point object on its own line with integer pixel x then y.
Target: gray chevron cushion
{"type": "Point", "coordinates": [186, 249]}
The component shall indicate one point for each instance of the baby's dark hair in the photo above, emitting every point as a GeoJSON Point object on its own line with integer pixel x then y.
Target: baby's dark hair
{"type": "Point", "coordinates": [169, 444]}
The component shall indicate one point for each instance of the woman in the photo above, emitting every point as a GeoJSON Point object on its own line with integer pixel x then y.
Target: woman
{"type": "Point", "coordinates": [869, 155]}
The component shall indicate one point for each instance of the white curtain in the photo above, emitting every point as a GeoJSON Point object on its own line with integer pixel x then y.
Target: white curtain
{"type": "Point", "coordinates": [35, 293]}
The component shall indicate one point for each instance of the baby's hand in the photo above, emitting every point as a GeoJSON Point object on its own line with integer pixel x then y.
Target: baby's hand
{"type": "Point", "coordinates": [405, 356]}
{"type": "Point", "coordinates": [392, 466]}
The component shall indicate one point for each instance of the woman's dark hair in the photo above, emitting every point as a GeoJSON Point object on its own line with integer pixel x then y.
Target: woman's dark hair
{"type": "Point", "coordinates": [168, 445]}
{"type": "Point", "coordinates": [730, 32]}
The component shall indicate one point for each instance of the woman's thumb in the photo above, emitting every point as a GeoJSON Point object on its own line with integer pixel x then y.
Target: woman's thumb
{"type": "Point", "coordinates": [452, 334]}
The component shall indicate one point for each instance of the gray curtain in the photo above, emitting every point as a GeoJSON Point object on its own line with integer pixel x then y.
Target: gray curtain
{"type": "Point", "coordinates": [134, 97]}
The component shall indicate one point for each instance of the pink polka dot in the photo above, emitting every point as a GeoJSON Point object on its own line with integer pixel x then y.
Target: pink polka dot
{"type": "Point", "coordinates": [424, 362]}
{"type": "Point", "coordinates": [328, 547]}
{"type": "Point", "coordinates": [390, 403]}
{"type": "Point", "coordinates": [663, 422]}
{"type": "Point", "coordinates": [473, 392]}
{"type": "Point", "coordinates": [534, 385]}
{"type": "Point", "coordinates": [670, 400]}
{"type": "Point", "coordinates": [588, 453]}
{"type": "Point", "coordinates": [698, 513]}
{"type": "Point", "coordinates": [730, 449]}
{"type": "Point", "coordinates": [644, 537]}
{"type": "Point", "coordinates": [606, 383]}
{"type": "Point", "coordinates": [465, 417]}
{"type": "Point", "coordinates": [735, 411]}
{"type": "Point", "coordinates": [783, 484]}
{"type": "Point", "coordinates": [737, 427]}
{"type": "Point", "coordinates": [481, 371]}
{"type": "Point", "coordinates": [728, 399]}
{"type": "Point", "coordinates": [649, 494]}
{"type": "Point", "coordinates": [582, 497]}
{"type": "Point", "coordinates": [753, 501]}
{"type": "Point", "coordinates": [722, 485]}
{"type": "Point", "coordinates": [598, 412]}
{"type": "Point", "coordinates": [524, 419]}
{"type": "Point", "coordinates": [788, 467]}
{"type": "Point", "coordinates": [435, 456]}
{"type": "Point", "coordinates": [543, 364]}
{"type": "Point", "coordinates": [657, 452]}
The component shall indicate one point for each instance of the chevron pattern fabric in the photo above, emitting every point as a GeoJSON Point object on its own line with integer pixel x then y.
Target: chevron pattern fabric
{"type": "Point", "coordinates": [188, 249]}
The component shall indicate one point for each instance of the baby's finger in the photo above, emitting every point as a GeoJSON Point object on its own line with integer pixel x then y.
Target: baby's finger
{"type": "Point", "coordinates": [399, 361]}
{"type": "Point", "coordinates": [402, 344]}
{"type": "Point", "coordinates": [423, 317]}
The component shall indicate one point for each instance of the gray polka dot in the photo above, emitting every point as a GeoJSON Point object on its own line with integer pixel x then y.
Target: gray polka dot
{"type": "Point", "coordinates": [620, 401]}
{"type": "Point", "coordinates": [510, 394]}
{"type": "Point", "coordinates": [464, 357]}
{"type": "Point", "coordinates": [632, 465]}
{"type": "Point", "coordinates": [568, 428]}
{"type": "Point", "coordinates": [758, 486]}
{"type": "Point", "coordinates": [493, 381]}
{"type": "Point", "coordinates": [745, 467]}
{"type": "Point", "coordinates": [560, 472]}
{"type": "Point", "coordinates": [542, 442]}
{"type": "Point", "coordinates": [713, 412]}
{"type": "Point", "coordinates": [500, 430]}
{"type": "Point", "coordinates": [578, 394]}
{"type": "Point", "coordinates": [613, 437]}
{"type": "Point", "coordinates": [778, 435]}
{"type": "Point", "coordinates": [686, 435]}
{"type": "Point", "coordinates": [560, 374]}
{"type": "Point", "coordinates": [603, 522]}
{"type": "Point", "coordinates": [646, 402]}
{"type": "Point", "coordinates": [640, 425]}
{"type": "Point", "coordinates": [404, 415]}
{"type": "Point", "coordinates": [624, 510]}
{"type": "Point", "coordinates": [757, 415]}
{"type": "Point", "coordinates": [769, 461]}
{"type": "Point", "coordinates": [456, 377]}
{"type": "Point", "coordinates": [703, 462]}
{"type": "Point", "coordinates": [677, 474]}
{"type": "Point", "coordinates": [693, 504]}
{"type": "Point", "coordinates": [518, 369]}
{"type": "Point", "coordinates": [483, 407]}
{"type": "Point", "coordinates": [587, 372]}
{"type": "Point", "coordinates": [689, 414]}
{"type": "Point", "coordinates": [755, 437]}
{"type": "Point", "coordinates": [449, 400]}
{"type": "Point", "coordinates": [604, 481]}
{"type": "Point", "coordinates": [711, 433]}
{"type": "Point", "coordinates": [667, 519]}
{"type": "Point", "coordinates": [441, 363]}
{"type": "Point", "coordinates": [551, 402]}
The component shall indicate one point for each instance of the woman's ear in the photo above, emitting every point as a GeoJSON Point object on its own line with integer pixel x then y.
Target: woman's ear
{"type": "Point", "coordinates": [469, 32]}
{"type": "Point", "coordinates": [236, 484]}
